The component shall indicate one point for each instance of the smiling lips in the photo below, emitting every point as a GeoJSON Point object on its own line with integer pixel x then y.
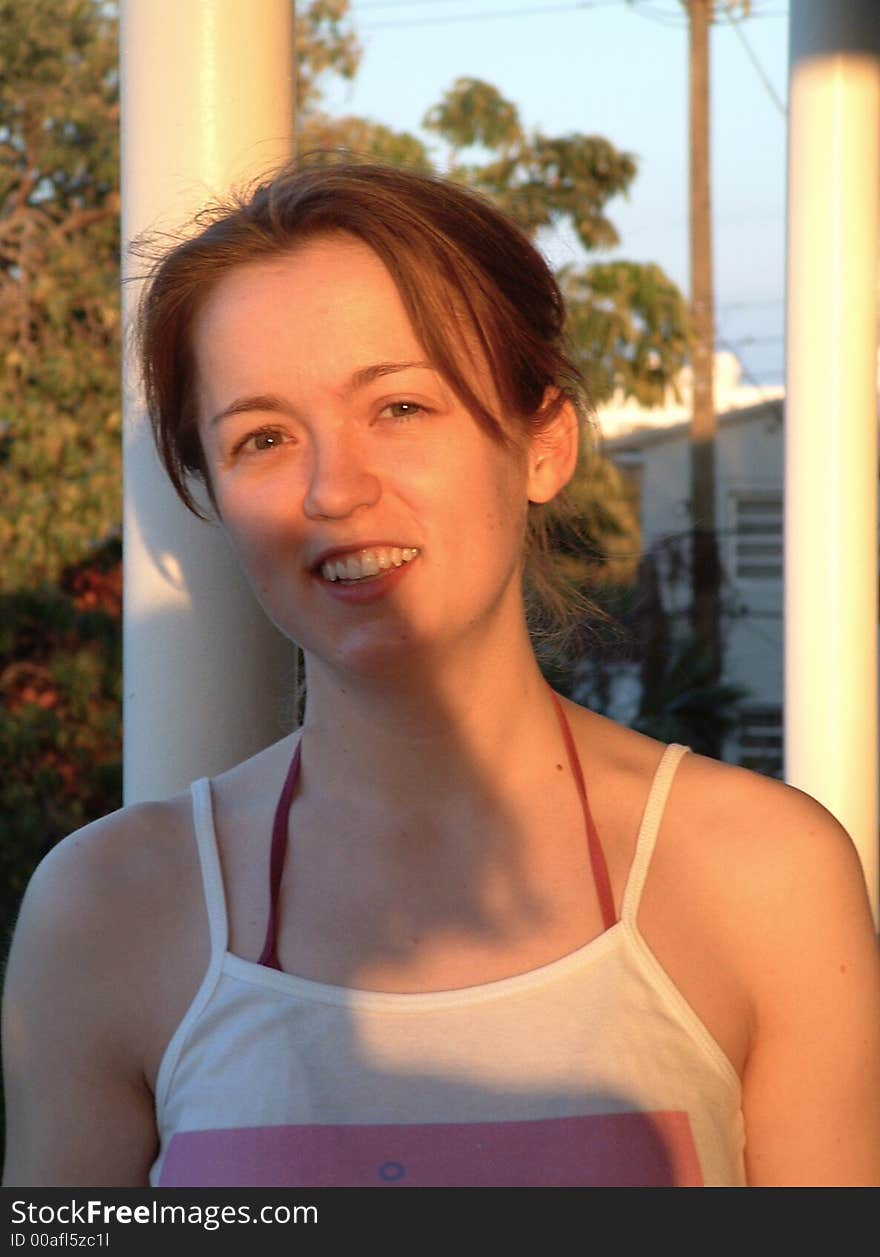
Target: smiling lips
{"type": "Point", "coordinates": [371, 561]}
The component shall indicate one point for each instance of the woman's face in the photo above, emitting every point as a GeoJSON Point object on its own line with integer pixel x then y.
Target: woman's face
{"type": "Point", "coordinates": [374, 517]}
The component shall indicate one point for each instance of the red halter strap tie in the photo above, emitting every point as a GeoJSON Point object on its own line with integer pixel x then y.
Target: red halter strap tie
{"type": "Point", "coordinates": [597, 855]}
{"type": "Point", "coordinates": [269, 954]}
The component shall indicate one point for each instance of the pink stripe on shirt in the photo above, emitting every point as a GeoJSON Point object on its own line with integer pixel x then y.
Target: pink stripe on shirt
{"type": "Point", "coordinates": [611, 1150]}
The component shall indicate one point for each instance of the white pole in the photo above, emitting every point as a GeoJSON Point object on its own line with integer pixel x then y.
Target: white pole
{"type": "Point", "coordinates": [207, 101]}
{"type": "Point", "coordinates": [831, 414]}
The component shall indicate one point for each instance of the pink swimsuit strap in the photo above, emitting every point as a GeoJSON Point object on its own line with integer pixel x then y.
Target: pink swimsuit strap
{"type": "Point", "coordinates": [269, 954]}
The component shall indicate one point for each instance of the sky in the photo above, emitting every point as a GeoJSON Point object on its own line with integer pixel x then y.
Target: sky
{"type": "Point", "coordinates": [618, 69]}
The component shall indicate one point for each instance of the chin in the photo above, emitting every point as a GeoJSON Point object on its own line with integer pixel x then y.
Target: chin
{"type": "Point", "coordinates": [368, 652]}
{"type": "Point", "coordinates": [385, 660]}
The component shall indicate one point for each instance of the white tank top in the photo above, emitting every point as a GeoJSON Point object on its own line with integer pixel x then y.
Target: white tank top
{"type": "Point", "coordinates": [592, 1070]}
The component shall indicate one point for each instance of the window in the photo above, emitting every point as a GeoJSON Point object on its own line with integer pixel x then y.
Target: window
{"type": "Point", "coordinates": [757, 536]}
{"type": "Point", "coordinates": [760, 740]}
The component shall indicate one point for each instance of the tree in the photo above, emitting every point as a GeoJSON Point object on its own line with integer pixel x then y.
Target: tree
{"type": "Point", "coordinates": [60, 713]}
{"type": "Point", "coordinates": [324, 42]}
{"type": "Point", "coordinates": [628, 322]}
{"type": "Point", "coordinates": [60, 406]}
{"type": "Point", "coordinates": [59, 307]}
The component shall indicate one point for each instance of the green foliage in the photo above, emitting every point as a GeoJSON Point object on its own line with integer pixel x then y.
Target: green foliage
{"type": "Point", "coordinates": [339, 138]}
{"type": "Point", "coordinates": [59, 304]}
{"type": "Point", "coordinates": [641, 665]}
{"type": "Point", "coordinates": [473, 113]}
{"type": "Point", "coordinates": [602, 550]}
{"type": "Point", "coordinates": [60, 713]}
{"type": "Point", "coordinates": [628, 322]}
{"type": "Point", "coordinates": [687, 704]}
{"type": "Point", "coordinates": [539, 181]}
{"type": "Point", "coordinates": [325, 43]}
{"type": "Point", "coordinates": [629, 325]}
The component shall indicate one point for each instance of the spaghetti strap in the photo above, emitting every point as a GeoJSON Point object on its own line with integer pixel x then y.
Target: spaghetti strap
{"type": "Point", "coordinates": [215, 904]}
{"type": "Point", "coordinates": [269, 954]}
{"type": "Point", "coordinates": [649, 828]}
{"type": "Point", "coordinates": [597, 855]}
{"type": "Point", "coordinates": [209, 861]}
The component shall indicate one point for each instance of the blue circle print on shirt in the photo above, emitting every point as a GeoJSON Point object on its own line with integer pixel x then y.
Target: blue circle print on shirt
{"type": "Point", "coordinates": [391, 1171]}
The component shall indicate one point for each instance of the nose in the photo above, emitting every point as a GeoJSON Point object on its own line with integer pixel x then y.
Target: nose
{"type": "Point", "coordinates": [340, 480]}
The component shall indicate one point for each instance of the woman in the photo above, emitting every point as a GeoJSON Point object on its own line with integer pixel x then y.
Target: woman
{"type": "Point", "coordinates": [467, 970]}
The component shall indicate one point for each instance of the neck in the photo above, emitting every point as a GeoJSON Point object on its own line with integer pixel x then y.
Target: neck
{"type": "Point", "coordinates": [456, 732]}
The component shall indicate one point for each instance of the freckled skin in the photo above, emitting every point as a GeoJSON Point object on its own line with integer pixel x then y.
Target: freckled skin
{"type": "Point", "coordinates": [344, 464]}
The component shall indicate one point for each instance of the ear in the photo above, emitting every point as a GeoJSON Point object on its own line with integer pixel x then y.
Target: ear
{"type": "Point", "coordinates": [553, 451]}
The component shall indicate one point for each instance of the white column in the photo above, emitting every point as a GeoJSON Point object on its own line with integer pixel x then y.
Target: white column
{"type": "Point", "coordinates": [207, 101]}
{"type": "Point", "coordinates": [831, 414]}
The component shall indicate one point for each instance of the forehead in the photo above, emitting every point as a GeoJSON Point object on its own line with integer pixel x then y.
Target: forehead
{"type": "Point", "coordinates": [327, 285]}
{"type": "Point", "coordinates": [311, 318]}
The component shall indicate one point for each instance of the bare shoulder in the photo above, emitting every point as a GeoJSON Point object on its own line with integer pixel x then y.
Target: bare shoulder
{"type": "Point", "coordinates": [774, 891]}
{"type": "Point", "coordinates": [116, 912]}
{"type": "Point", "coordinates": [755, 864]}
{"type": "Point", "coordinates": [718, 816]}
{"type": "Point", "coordinates": [781, 898]}
{"type": "Point", "coordinates": [91, 995]}
{"type": "Point", "coordinates": [756, 908]}
{"type": "Point", "coordinates": [771, 842]}
{"type": "Point", "coordinates": [730, 838]}
{"type": "Point", "coordinates": [111, 875]}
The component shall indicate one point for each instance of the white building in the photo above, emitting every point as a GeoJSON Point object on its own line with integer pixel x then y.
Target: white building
{"type": "Point", "coordinates": [622, 415]}
{"type": "Point", "coordinates": [652, 449]}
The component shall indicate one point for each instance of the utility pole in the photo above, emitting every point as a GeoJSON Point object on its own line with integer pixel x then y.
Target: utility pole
{"type": "Point", "coordinates": [705, 563]}
{"type": "Point", "coordinates": [294, 95]}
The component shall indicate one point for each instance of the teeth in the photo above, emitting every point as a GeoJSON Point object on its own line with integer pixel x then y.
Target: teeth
{"type": "Point", "coordinates": [367, 562]}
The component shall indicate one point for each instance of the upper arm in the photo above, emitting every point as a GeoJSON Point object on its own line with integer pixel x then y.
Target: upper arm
{"type": "Point", "coordinates": [811, 1087]}
{"type": "Point", "coordinates": [79, 1111]}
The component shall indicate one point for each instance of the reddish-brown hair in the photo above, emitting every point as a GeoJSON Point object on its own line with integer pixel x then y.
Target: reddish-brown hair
{"type": "Point", "coordinates": [467, 275]}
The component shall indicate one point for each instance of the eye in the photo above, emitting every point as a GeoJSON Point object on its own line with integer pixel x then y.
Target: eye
{"type": "Point", "coordinates": [260, 441]}
{"type": "Point", "coordinates": [402, 410]}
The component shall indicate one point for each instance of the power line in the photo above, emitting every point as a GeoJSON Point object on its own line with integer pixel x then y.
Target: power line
{"type": "Point", "coordinates": [752, 304]}
{"type": "Point", "coordinates": [663, 19]}
{"type": "Point", "coordinates": [724, 343]}
{"type": "Point", "coordinates": [669, 18]}
{"type": "Point", "coordinates": [726, 220]}
{"type": "Point", "coordinates": [659, 17]}
{"type": "Point", "coordinates": [397, 4]}
{"type": "Point", "coordinates": [491, 15]}
{"type": "Point", "coordinates": [736, 24]}
{"type": "Point", "coordinates": [756, 340]}
{"type": "Point", "coordinates": [674, 16]}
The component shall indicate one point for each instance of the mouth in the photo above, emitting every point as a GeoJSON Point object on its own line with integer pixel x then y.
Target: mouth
{"type": "Point", "coordinates": [366, 564]}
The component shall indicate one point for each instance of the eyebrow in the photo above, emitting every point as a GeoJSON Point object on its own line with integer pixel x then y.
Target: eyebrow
{"type": "Point", "coordinates": [275, 404]}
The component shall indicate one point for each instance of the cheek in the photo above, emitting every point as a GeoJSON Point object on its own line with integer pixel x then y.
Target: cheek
{"type": "Point", "coordinates": [506, 494]}
{"type": "Point", "coordinates": [261, 538]}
